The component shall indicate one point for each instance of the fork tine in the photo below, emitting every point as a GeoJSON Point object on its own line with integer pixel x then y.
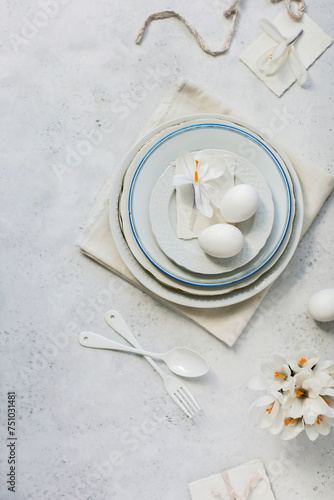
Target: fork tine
{"type": "Point", "coordinates": [191, 397]}
{"type": "Point", "coordinates": [180, 404]}
{"type": "Point", "coordinates": [187, 403]}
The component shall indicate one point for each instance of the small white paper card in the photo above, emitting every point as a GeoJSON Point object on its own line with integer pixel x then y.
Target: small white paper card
{"type": "Point", "coordinates": [309, 46]}
{"type": "Point", "coordinates": [214, 487]}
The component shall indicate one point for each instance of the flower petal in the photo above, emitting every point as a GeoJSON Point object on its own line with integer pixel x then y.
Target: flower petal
{"type": "Point", "coordinates": [271, 30]}
{"type": "Point", "coordinates": [312, 432]}
{"type": "Point", "coordinates": [313, 386]}
{"type": "Point", "coordinates": [265, 400]}
{"type": "Point", "coordinates": [323, 427]}
{"type": "Point", "coordinates": [327, 391]}
{"type": "Point", "coordinates": [279, 51]}
{"type": "Point", "coordinates": [278, 423]}
{"type": "Point", "coordinates": [310, 416]}
{"type": "Point", "coordinates": [202, 201]}
{"type": "Point", "coordinates": [186, 164]}
{"type": "Point", "coordinates": [297, 408]}
{"type": "Point", "coordinates": [324, 365]}
{"type": "Point", "coordinates": [267, 64]}
{"type": "Point", "coordinates": [297, 67]}
{"type": "Point", "coordinates": [292, 430]}
{"type": "Point", "coordinates": [264, 59]}
{"type": "Point", "coordinates": [203, 166]}
{"type": "Point", "coordinates": [318, 406]}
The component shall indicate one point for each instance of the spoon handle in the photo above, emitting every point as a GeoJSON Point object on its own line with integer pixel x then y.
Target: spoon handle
{"type": "Point", "coordinates": [96, 341]}
{"type": "Point", "coordinates": [117, 323]}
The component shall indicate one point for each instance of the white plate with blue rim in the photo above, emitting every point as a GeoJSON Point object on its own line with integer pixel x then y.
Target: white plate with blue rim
{"type": "Point", "coordinates": [203, 284]}
{"type": "Point", "coordinates": [137, 177]}
{"type": "Point", "coordinates": [147, 166]}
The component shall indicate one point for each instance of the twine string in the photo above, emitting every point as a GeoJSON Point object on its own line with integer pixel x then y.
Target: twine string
{"type": "Point", "coordinates": [231, 13]}
{"type": "Point", "coordinates": [300, 4]}
{"type": "Point", "coordinates": [252, 484]}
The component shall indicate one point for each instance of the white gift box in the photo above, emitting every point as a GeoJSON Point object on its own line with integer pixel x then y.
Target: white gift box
{"type": "Point", "coordinates": [239, 477]}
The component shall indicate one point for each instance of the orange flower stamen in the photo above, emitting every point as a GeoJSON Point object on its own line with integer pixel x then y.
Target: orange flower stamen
{"type": "Point", "coordinates": [288, 421]}
{"type": "Point", "coordinates": [302, 361]}
{"type": "Point", "coordinates": [268, 410]}
{"type": "Point", "coordinates": [326, 401]}
{"type": "Point", "coordinates": [299, 393]}
{"type": "Point", "coordinates": [196, 171]}
{"type": "Point", "coordinates": [280, 375]}
{"type": "Point", "coordinates": [319, 419]}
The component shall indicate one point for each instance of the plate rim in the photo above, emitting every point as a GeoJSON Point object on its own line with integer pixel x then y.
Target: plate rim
{"type": "Point", "coordinates": [174, 296]}
{"type": "Point", "coordinates": [197, 280]}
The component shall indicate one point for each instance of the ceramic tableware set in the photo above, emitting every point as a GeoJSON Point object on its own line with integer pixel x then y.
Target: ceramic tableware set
{"type": "Point", "coordinates": [142, 214]}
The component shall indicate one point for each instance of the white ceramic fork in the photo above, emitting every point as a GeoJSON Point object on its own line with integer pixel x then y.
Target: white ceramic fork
{"type": "Point", "coordinates": [179, 393]}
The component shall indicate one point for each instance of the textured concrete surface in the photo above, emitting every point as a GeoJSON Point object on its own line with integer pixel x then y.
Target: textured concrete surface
{"type": "Point", "coordinates": [75, 93]}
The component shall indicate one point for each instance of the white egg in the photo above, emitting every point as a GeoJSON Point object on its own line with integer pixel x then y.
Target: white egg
{"type": "Point", "coordinates": [239, 203]}
{"type": "Point", "coordinates": [221, 240]}
{"type": "Point", "coordinates": [321, 305]}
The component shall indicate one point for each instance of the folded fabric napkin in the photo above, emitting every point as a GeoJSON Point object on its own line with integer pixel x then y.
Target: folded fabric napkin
{"type": "Point", "coordinates": [226, 323]}
{"type": "Point", "coordinates": [309, 46]}
{"type": "Point", "coordinates": [248, 481]}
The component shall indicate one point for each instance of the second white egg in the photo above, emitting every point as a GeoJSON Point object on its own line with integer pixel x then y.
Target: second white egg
{"type": "Point", "coordinates": [239, 203]}
{"type": "Point", "coordinates": [221, 240]}
{"type": "Point", "coordinates": [321, 305]}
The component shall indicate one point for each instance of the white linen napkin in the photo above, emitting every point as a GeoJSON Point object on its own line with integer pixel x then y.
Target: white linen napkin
{"type": "Point", "coordinates": [239, 477]}
{"type": "Point", "coordinates": [226, 323]}
{"type": "Point", "coordinates": [310, 45]}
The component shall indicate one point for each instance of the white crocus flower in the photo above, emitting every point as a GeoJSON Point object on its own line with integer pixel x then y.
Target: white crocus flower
{"type": "Point", "coordinates": [303, 359]}
{"type": "Point", "coordinates": [306, 398]}
{"type": "Point", "coordinates": [299, 395]}
{"type": "Point", "coordinates": [274, 58]}
{"type": "Point", "coordinates": [292, 427]}
{"type": "Point", "coordinates": [199, 173]}
{"type": "Point", "coordinates": [324, 400]}
{"type": "Point", "coordinates": [322, 425]}
{"type": "Point", "coordinates": [268, 412]}
{"type": "Point", "coordinates": [278, 374]}
{"type": "Point", "coordinates": [275, 376]}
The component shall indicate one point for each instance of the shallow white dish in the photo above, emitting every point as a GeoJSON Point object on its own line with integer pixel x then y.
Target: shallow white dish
{"type": "Point", "coordinates": [159, 151]}
{"type": "Point", "coordinates": [174, 294]}
{"type": "Point", "coordinates": [187, 253]}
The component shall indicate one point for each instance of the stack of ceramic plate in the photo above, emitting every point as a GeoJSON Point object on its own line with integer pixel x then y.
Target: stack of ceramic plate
{"type": "Point", "coordinates": [143, 214]}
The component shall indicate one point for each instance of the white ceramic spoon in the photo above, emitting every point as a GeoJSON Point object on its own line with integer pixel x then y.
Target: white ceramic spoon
{"type": "Point", "coordinates": [179, 360]}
